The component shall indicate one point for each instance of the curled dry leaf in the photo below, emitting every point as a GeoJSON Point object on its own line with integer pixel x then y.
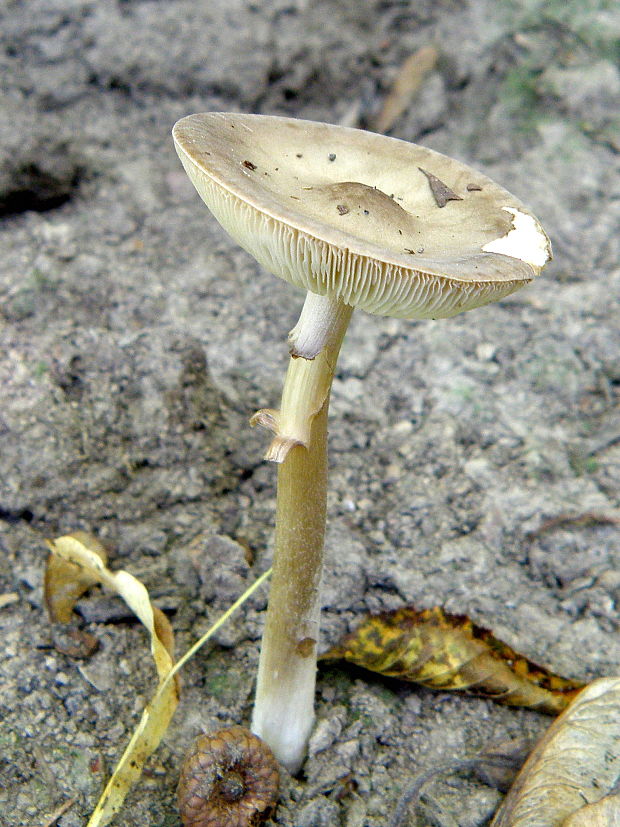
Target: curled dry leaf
{"type": "Point", "coordinates": [605, 813]}
{"type": "Point", "coordinates": [66, 581]}
{"type": "Point", "coordinates": [8, 599]}
{"type": "Point", "coordinates": [80, 556]}
{"type": "Point", "coordinates": [575, 762]}
{"type": "Point", "coordinates": [444, 651]}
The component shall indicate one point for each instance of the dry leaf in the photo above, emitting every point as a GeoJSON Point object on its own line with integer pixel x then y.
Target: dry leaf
{"type": "Point", "coordinates": [82, 553]}
{"type": "Point", "coordinates": [575, 762]}
{"type": "Point", "coordinates": [605, 813]}
{"type": "Point", "coordinates": [66, 582]}
{"type": "Point", "coordinates": [145, 740]}
{"type": "Point", "coordinates": [408, 80]}
{"type": "Point", "coordinates": [440, 190]}
{"type": "Point", "coordinates": [445, 651]}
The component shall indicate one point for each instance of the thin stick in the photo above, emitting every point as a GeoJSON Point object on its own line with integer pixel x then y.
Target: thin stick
{"type": "Point", "coordinates": [218, 623]}
{"type": "Point", "coordinates": [60, 811]}
{"type": "Point", "coordinates": [413, 791]}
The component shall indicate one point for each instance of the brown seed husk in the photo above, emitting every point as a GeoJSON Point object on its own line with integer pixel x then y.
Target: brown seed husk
{"type": "Point", "coordinates": [229, 779]}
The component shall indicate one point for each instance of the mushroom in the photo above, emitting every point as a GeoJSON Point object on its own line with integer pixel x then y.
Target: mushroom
{"type": "Point", "coordinates": [356, 219]}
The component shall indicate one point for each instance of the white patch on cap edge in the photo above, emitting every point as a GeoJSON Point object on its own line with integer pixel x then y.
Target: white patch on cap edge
{"type": "Point", "coordinates": [525, 240]}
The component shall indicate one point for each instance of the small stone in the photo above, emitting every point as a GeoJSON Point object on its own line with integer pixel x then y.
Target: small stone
{"type": "Point", "coordinates": [75, 643]}
{"type": "Point", "coordinates": [8, 599]}
{"type": "Point", "coordinates": [485, 351]}
{"type": "Point", "coordinates": [321, 812]}
{"type": "Point", "coordinates": [393, 473]}
{"type": "Point", "coordinates": [325, 733]}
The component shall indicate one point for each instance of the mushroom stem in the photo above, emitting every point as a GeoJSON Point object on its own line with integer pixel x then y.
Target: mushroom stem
{"type": "Point", "coordinates": [320, 330]}
{"type": "Point", "coordinates": [284, 705]}
{"type": "Point", "coordinates": [319, 320]}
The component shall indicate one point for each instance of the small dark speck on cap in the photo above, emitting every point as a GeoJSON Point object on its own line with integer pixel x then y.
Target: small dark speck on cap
{"type": "Point", "coordinates": [474, 188]}
{"type": "Point", "coordinates": [342, 209]}
{"type": "Point", "coordinates": [248, 165]}
{"type": "Point", "coordinates": [299, 155]}
{"type": "Point", "coordinates": [441, 192]}
{"type": "Point", "coordinates": [332, 156]}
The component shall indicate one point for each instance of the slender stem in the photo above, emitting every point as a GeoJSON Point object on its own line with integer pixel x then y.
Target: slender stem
{"type": "Point", "coordinates": [320, 319]}
{"type": "Point", "coordinates": [284, 706]}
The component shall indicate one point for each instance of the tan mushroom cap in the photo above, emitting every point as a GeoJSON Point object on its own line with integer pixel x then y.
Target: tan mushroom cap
{"type": "Point", "coordinates": [382, 224]}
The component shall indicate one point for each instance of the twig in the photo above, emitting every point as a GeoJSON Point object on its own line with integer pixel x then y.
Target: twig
{"type": "Point", "coordinates": [585, 520]}
{"type": "Point", "coordinates": [57, 813]}
{"type": "Point", "coordinates": [413, 791]}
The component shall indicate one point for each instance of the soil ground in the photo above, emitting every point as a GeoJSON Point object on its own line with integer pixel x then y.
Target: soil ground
{"type": "Point", "coordinates": [137, 339]}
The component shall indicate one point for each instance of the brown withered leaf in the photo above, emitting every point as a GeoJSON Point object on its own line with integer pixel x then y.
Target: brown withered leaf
{"type": "Point", "coordinates": [66, 581]}
{"type": "Point", "coordinates": [450, 652]}
{"type": "Point", "coordinates": [586, 520]}
{"type": "Point", "coordinates": [441, 191]}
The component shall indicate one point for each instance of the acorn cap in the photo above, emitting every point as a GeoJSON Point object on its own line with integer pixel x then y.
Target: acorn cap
{"type": "Point", "coordinates": [382, 224]}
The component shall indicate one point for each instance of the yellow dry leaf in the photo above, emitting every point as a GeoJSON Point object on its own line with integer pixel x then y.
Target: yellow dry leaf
{"type": "Point", "coordinates": [449, 652]}
{"type": "Point", "coordinates": [145, 740]}
{"type": "Point", "coordinates": [81, 552]}
{"type": "Point", "coordinates": [575, 762]}
{"type": "Point", "coordinates": [66, 582]}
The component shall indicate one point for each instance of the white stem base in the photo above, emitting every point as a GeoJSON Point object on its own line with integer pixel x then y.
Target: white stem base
{"type": "Point", "coordinates": [285, 719]}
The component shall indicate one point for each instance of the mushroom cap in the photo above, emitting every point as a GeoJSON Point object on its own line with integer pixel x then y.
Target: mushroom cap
{"type": "Point", "coordinates": [389, 226]}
